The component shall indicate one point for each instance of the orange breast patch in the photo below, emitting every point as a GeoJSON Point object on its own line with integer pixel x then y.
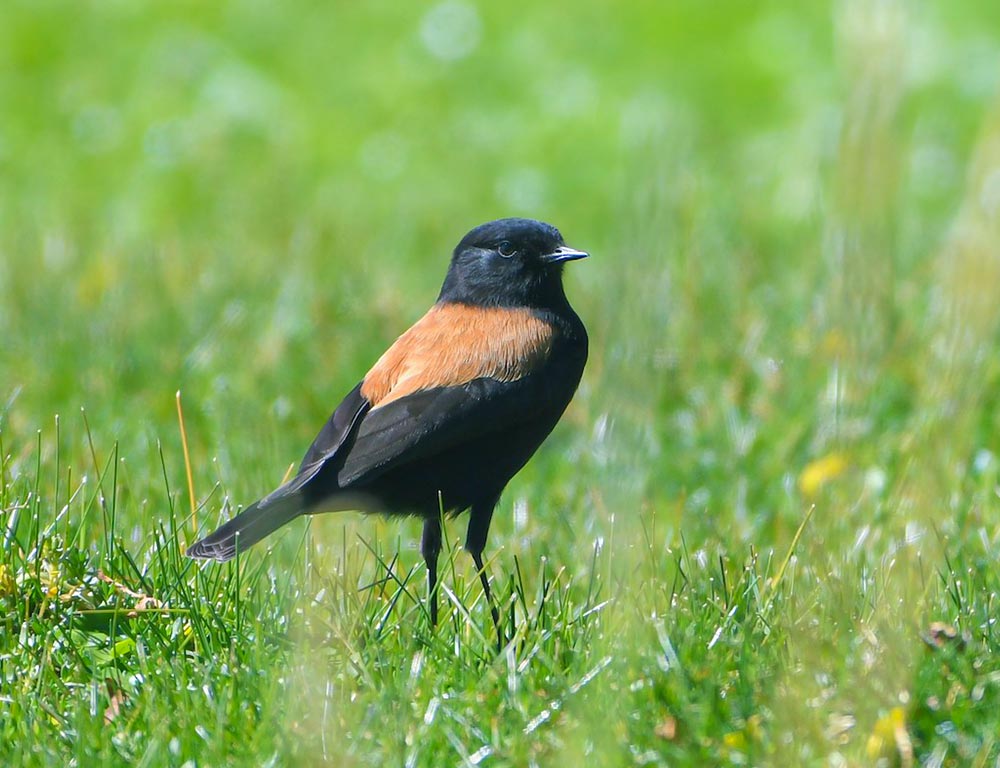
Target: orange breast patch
{"type": "Point", "coordinates": [455, 343]}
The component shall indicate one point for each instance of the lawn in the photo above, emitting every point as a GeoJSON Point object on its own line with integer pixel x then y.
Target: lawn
{"type": "Point", "coordinates": [765, 531]}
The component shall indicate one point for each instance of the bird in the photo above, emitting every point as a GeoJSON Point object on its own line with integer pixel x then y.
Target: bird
{"type": "Point", "coordinates": [453, 409]}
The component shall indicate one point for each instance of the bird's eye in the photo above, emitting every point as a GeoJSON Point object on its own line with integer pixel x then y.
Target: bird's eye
{"type": "Point", "coordinates": [506, 249]}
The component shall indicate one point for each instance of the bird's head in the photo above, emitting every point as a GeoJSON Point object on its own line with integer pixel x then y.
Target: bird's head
{"type": "Point", "coordinates": [509, 262]}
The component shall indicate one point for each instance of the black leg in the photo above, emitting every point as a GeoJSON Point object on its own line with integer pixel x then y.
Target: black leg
{"type": "Point", "coordinates": [430, 548]}
{"type": "Point", "coordinates": [475, 541]}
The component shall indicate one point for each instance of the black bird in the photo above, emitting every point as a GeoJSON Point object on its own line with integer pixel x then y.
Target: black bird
{"type": "Point", "coordinates": [454, 408]}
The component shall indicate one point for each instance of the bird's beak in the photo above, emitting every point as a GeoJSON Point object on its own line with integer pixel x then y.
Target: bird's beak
{"type": "Point", "coordinates": [564, 253]}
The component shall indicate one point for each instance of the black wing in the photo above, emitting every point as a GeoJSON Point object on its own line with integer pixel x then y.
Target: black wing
{"type": "Point", "coordinates": [434, 420]}
{"type": "Point", "coordinates": [287, 502]}
{"type": "Point", "coordinates": [335, 433]}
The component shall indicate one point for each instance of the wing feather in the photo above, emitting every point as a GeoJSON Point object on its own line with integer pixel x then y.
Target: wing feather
{"type": "Point", "coordinates": [431, 421]}
{"type": "Point", "coordinates": [329, 443]}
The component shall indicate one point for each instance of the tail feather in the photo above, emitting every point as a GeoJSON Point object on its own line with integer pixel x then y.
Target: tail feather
{"type": "Point", "coordinates": [247, 528]}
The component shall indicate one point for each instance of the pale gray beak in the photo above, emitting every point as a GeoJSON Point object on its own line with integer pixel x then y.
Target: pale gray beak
{"type": "Point", "coordinates": [563, 253]}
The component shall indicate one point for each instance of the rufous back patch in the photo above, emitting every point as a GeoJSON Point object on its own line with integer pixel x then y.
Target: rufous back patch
{"type": "Point", "coordinates": [455, 343]}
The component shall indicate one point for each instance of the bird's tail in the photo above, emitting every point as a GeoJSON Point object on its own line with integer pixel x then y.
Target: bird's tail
{"type": "Point", "coordinates": [248, 527]}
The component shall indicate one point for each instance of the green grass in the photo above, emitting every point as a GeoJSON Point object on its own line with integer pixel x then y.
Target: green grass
{"type": "Point", "coordinates": [764, 533]}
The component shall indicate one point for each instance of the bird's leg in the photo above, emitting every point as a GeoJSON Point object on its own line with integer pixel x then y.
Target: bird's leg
{"type": "Point", "coordinates": [475, 541]}
{"type": "Point", "coordinates": [430, 548]}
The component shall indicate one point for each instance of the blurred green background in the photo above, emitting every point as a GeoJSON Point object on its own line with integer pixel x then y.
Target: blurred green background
{"type": "Point", "coordinates": [792, 210]}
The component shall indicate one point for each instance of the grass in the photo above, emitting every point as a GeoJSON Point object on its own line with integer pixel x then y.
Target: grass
{"type": "Point", "coordinates": [765, 531]}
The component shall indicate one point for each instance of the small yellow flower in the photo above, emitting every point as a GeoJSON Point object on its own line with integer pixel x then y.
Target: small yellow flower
{"type": "Point", "coordinates": [8, 584]}
{"type": "Point", "coordinates": [51, 579]}
{"type": "Point", "coordinates": [890, 734]}
{"type": "Point", "coordinates": [818, 473]}
{"type": "Point", "coordinates": [736, 740]}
